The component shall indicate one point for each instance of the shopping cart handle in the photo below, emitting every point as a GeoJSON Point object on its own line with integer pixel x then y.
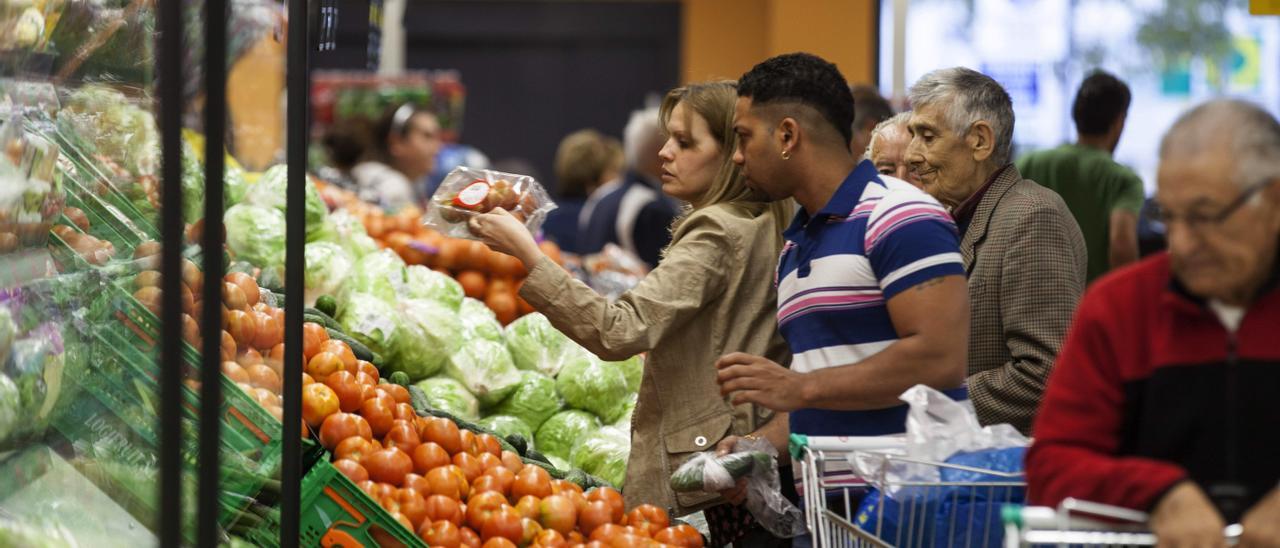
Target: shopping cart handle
{"type": "Point", "coordinates": [797, 445]}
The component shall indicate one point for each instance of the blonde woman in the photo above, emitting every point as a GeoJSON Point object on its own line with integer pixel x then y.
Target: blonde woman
{"type": "Point", "coordinates": [712, 293]}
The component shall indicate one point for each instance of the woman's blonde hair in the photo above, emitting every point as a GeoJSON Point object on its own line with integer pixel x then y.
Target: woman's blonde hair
{"type": "Point", "coordinates": [714, 102]}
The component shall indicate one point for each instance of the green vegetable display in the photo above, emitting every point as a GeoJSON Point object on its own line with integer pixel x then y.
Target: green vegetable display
{"type": "Point", "coordinates": [424, 283]}
{"type": "Point", "coordinates": [557, 436]}
{"type": "Point", "coordinates": [536, 345]}
{"type": "Point", "coordinates": [382, 275]}
{"type": "Point", "coordinates": [192, 185]}
{"type": "Point", "coordinates": [369, 320]}
{"type": "Point", "coordinates": [328, 266]}
{"type": "Point", "coordinates": [346, 230]}
{"type": "Point", "coordinates": [257, 235]}
{"type": "Point", "coordinates": [593, 385]}
{"type": "Point", "coordinates": [534, 400]}
{"type": "Point", "coordinates": [506, 425]}
{"type": "Point", "coordinates": [10, 406]}
{"type": "Point", "coordinates": [478, 321]}
{"type": "Point", "coordinates": [448, 395]}
{"type": "Point", "coordinates": [633, 371]}
{"type": "Point", "coordinates": [485, 368]}
{"type": "Point", "coordinates": [270, 191]}
{"type": "Point", "coordinates": [426, 335]}
{"type": "Point", "coordinates": [603, 453]}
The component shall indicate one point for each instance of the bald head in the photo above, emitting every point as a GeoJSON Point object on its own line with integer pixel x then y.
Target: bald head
{"type": "Point", "coordinates": [1242, 131]}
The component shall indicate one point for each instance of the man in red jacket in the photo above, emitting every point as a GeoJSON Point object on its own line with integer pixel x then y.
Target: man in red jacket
{"type": "Point", "coordinates": [1166, 395]}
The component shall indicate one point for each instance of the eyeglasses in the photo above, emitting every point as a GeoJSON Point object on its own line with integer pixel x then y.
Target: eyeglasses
{"type": "Point", "coordinates": [1198, 221]}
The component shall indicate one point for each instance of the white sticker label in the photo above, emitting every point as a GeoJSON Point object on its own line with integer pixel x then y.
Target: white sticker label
{"type": "Point", "coordinates": [473, 194]}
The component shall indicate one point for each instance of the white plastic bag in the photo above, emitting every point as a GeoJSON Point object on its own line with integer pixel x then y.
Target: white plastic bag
{"type": "Point", "coordinates": [764, 490]}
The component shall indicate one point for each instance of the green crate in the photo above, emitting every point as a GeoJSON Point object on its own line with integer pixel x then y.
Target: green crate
{"type": "Point", "coordinates": [66, 257]}
{"type": "Point", "coordinates": [106, 222]}
{"type": "Point", "coordinates": [86, 180]}
{"type": "Point", "coordinates": [337, 513]}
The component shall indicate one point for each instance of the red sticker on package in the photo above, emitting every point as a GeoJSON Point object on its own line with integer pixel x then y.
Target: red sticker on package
{"type": "Point", "coordinates": [473, 195]}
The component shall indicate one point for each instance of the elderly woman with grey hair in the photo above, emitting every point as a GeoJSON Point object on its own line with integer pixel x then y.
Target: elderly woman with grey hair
{"type": "Point", "coordinates": [887, 148]}
{"type": "Point", "coordinates": [1022, 249]}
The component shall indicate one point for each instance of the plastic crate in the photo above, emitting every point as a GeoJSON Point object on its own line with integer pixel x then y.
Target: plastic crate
{"type": "Point", "coordinates": [337, 513]}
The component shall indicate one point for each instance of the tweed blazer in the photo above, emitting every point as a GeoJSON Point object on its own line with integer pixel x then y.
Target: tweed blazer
{"type": "Point", "coordinates": [1026, 261]}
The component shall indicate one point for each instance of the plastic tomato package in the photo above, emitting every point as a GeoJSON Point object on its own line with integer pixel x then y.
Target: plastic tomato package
{"type": "Point", "coordinates": [467, 192]}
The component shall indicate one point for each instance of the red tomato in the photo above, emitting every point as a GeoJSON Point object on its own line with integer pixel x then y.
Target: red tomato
{"type": "Point", "coordinates": [505, 479]}
{"type": "Point", "coordinates": [482, 506]}
{"type": "Point", "coordinates": [242, 325]}
{"type": "Point", "coordinates": [270, 331]}
{"type": "Point", "coordinates": [233, 297]}
{"type": "Point", "coordinates": [341, 350]}
{"type": "Point", "coordinates": [236, 372]}
{"type": "Point", "coordinates": [440, 507]}
{"type": "Point", "coordinates": [498, 542]}
{"type": "Point", "coordinates": [348, 389]}
{"type": "Point", "coordinates": [313, 335]}
{"type": "Point", "coordinates": [611, 496]}
{"type": "Point", "coordinates": [595, 514]}
{"type": "Point", "coordinates": [417, 483]}
{"type": "Point", "coordinates": [402, 435]}
{"type": "Point", "coordinates": [469, 464]}
{"type": "Point", "coordinates": [486, 483]}
{"type": "Point", "coordinates": [489, 443]}
{"type": "Point", "coordinates": [428, 456]}
{"type": "Point", "coordinates": [443, 534]}
{"type": "Point", "coordinates": [550, 538]}
{"type": "Point", "coordinates": [378, 411]}
{"type": "Point", "coordinates": [368, 369]}
{"type": "Point", "coordinates": [683, 535]}
{"type": "Point", "coordinates": [351, 469]}
{"type": "Point", "coordinates": [527, 507]}
{"type": "Point", "coordinates": [529, 530]}
{"type": "Point", "coordinates": [412, 505]}
{"type": "Point", "coordinates": [398, 393]}
{"type": "Point", "coordinates": [321, 365]}
{"type": "Point", "coordinates": [607, 531]}
{"type": "Point", "coordinates": [368, 486]}
{"type": "Point", "coordinates": [318, 402]}
{"type": "Point", "coordinates": [512, 461]}
{"type": "Point", "coordinates": [339, 426]}
{"type": "Point", "coordinates": [470, 538]}
{"type": "Point", "coordinates": [444, 433]}
{"type": "Point", "coordinates": [532, 480]}
{"type": "Point", "coordinates": [557, 512]}
{"type": "Point", "coordinates": [505, 523]}
{"type": "Point", "coordinates": [389, 466]}
{"type": "Point", "coordinates": [355, 448]}
{"type": "Point", "coordinates": [445, 482]}
{"type": "Point", "coordinates": [404, 412]}
{"type": "Point", "coordinates": [248, 286]}
{"type": "Point", "coordinates": [648, 518]}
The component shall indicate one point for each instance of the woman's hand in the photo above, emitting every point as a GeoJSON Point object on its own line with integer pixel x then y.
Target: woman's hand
{"type": "Point", "coordinates": [504, 233]}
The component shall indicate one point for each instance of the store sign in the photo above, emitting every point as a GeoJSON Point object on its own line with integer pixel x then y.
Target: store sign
{"type": "Point", "coordinates": [1264, 7]}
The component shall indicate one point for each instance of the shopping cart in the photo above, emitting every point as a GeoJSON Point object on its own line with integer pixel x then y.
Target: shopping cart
{"type": "Point", "coordinates": [1081, 523]}
{"type": "Point", "coordinates": [917, 514]}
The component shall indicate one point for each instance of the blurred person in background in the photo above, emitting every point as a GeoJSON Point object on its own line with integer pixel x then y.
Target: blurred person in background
{"type": "Point", "coordinates": [632, 211]}
{"type": "Point", "coordinates": [1162, 398]}
{"type": "Point", "coordinates": [1023, 253]}
{"type": "Point", "coordinates": [869, 110]}
{"type": "Point", "coordinates": [1103, 196]}
{"type": "Point", "coordinates": [585, 160]}
{"type": "Point", "coordinates": [888, 149]}
{"type": "Point", "coordinates": [401, 154]}
{"type": "Point", "coordinates": [711, 293]}
{"type": "Point", "coordinates": [344, 145]}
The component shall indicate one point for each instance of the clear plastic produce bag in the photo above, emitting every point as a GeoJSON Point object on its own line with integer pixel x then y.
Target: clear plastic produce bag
{"type": "Point", "coordinates": [757, 461]}
{"type": "Point", "coordinates": [466, 192]}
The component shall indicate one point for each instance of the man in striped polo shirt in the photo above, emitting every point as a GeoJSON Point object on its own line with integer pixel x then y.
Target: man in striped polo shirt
{"type": "Point", "coordinates": [871, 288]}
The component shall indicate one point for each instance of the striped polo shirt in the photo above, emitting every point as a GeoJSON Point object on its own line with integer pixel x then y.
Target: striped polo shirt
{"type": "Point", "coordinates": [877, 237]}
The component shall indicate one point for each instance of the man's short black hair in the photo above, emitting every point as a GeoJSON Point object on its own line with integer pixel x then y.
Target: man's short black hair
{"type": "Point", "coordinates": [1101, 100]}
{"type": "Point", "coordinates": [806, 79]}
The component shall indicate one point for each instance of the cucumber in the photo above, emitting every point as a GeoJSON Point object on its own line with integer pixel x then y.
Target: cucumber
{"type": "Point", "coordinates": [321, 318]}
{"type": "Point", "coordinates": [361, 351]}
{"type": "Point", "coordinates": [327, 304]}
{"type": "Point", "coordinates": [535, 455]}
{"type": "Point", "coordinates": [400, 378]}
{"type": "Point", "coordinates": [519, 442]}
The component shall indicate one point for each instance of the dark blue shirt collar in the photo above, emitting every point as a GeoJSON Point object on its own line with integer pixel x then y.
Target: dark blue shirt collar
{"type": "Point", "coordinates": [842, 202]}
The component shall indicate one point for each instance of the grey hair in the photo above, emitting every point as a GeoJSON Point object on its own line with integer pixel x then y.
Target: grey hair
{"type": "Point", "coordinates": [642, 130]}
{"type": "Point", "coordinates": [1253, 142]}
{"type": "Point", "coordinates": [969, 96]}
{"type": "Point", "coordinates": [898, 120]}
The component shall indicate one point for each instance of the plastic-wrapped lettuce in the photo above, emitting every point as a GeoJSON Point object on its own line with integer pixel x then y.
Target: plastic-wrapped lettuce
{"type": "Point", "coordinates": [380, 274]}
{"type": "Point", "coordinates": [593, 385]}
{"type": "Point", "coordinates": [192, 184]}
{"type": "Point", "coordinates": [534, 400]}
{"type": "Point", "coordinates": [235, 186]}
{"type": "Point", "coordinates": [10, 404]}
{"type": "Point", "coordinates": [368, 319]}
{"type": "Point", "coordinates": [603, 453]}
{"type": "Point", "coordinates": [449, 395]}
{"type": "Point", "coordinates": [328, 266]}
{"type": "Point", "coordinates": [257, 235]}
{"type": "Point", "coordinates": [624, 421]}
{"type": "Point", "coordinates": [425, 283]}
{"type": "Point", "coordinates": [344, 229]}
{"type": "Point", "coordinates": [269, 191]}
{"type": "Point", "coordinates": [632, 370]}
{"type": "Point", "coordinates": [506, 425]}
{"type": "Point", "coordinates": [485, 368]}
{"type": "Point", "coordinates": [427, 334]}
{"type": "Point", "coordinates": [536, 345]}
{"type": "Point", "coordinates": [478, 321]}
{"type": "Point", "coordinates": [557, 436]}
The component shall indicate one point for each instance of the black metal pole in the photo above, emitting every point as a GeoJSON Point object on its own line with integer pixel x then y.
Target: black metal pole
{"type": "Point", "coordinates": [299, 83]}
{"type": "Point", "coordinates": [215, 115]}
{"type": "Point", "coordinates": [169, 22]}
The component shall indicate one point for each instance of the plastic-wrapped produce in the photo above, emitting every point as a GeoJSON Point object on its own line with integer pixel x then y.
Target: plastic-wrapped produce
{"type": "Point", "coordinates": [485, 368]}
{"type": "Point", "coordinates": [257, 235]}
{"type": "Point", "coordinates": [506, 425]}
{"type": "Point", "coordinates": [466, 192]}
{"type": "Point", "coordinates": [448, 395]}
{"type": "Point", "coordinates": [424, 283]}
{"type": "Point", "coordinates": [478, 321]}
{"type": "Point", "coordinates": [425, 337]}
{"type": "Point", "coordinates": [593, 385]}
{"type": "Point", "coordinates": [536, 345]}
{"type": "Point", "coordinates": [534, 400]}
{"type": "Point", "coordinates": [382, 275]}
{"type": "Point", "coordinates": [328, 266]}
{"type": "Point", "coordinates": [557, 436]}
{"type": "Point", "coordinates": [270, 191]}
{"type": "Point", "coordinates": [368, 319]}
{"type": "Point", "coordinates": [603, 453]}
